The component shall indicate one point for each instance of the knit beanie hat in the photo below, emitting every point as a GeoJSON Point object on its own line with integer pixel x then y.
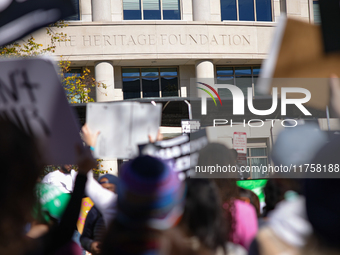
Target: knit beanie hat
{"type": "Point", "coordinates": [149, 194]}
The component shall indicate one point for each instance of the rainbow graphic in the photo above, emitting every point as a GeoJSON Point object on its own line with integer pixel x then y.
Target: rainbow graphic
{"type": "Point", "coordinates": [207, 91]}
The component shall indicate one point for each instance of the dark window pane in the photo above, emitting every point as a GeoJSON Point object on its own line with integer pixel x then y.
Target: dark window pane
{"type": "Point", "coordinates": [151, 9]}
{"type": "Point", "coordinates": [168, 71]}
{"type": "Point", "coordinates": [132, 10]}
{"type": "Point", "coordinates": [246, 10]}
{"type": "Point", "coordinates": [171, 9]}
{"type": "Point", "coordinates": [225, 79]}
{"type": "Point", "coordinates": [132, 15]}
{"type": "Point", "coordinates": [130, 72]}
{"type": "Point", "coordinates": [171, 15]}
{"type": "Point", "coordinates": [242, 70]}
{"type": "Point", "coordinates": [316, 12]}
{"type": "Point", "coordinates": [228, 10]}
{"type": "Point", "coordinates": [76, 7]}
{"type": "Point", "coordinates": [263, 10]}
{"type": "Point", "coordinates": [256, 70]}
{"type": "Point", "coordinates": [150, 87]}
{"type": "Point", "coordinates": [258, 152]}
{"type": "Point", "coordinates": [169, 87]}
{"type": "Point", "coordinates": [149, 71]}
{"type": "Point", "coordinates": [224, 71]}
{"type": "Point", "coordinates": [152, 14]}
{"type": "Point", "coordinates": [225, 93]}
{"type": "Point", "coordinates": [131, 88]}
{"type": "Point", "coordinates": [258, 162]}
{"type": "Point", "coordinates": [244, 82]}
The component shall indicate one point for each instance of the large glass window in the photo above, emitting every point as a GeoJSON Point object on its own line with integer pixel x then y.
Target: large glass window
{"type": "Point", "coordinates": [77, 15]}
{"type": "Point", "coordinates": [255, 158]}
{"type": "Point", "coordinates": [151, 9]}
{"type": "Point", "coordinates": [316, 12]}
{"type": "Point", "coordinates": [243, 76]}
{"type": "Point", "coordinates": [150, 82]}
{"type": "Point", "coordinates": [246, 10]}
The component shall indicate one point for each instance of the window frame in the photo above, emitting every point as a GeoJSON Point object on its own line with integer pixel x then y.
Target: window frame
{"type": "Point", "coordinates": [140, 77]}
{"type": "Point", "coordinates": [257, 143]}
{"type": "Point", "coordinates": [78, 12]}
{"type": "Point", "coordinates": [161, 9]}
{"type": "Point", "coordinates": [234, 74]}
{"type": "Point", "coordinates": [255, 15]}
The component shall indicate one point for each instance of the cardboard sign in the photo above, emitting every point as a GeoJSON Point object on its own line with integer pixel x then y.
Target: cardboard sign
{"type": "Point", "coordinates": [190, 126]}
{"type": "Point", "coordinates": [181, 152]}
{"type": "Point", "coordinates": [292, 62]}
{"type": "Point", "coordinates": [123, 126]}
{"type": "Point", "coordinates": [32, 97]}
{"type": "Point", "coordinates": [19, 18]}
{"type": "Point", "coordinates": [240, 142]}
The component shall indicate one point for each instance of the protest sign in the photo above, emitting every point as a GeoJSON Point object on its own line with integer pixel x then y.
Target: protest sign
{"type": "Point", "coordinates": [19, 18]}
{"type": "Point", "coordinates": [190, 126]}
{"type": "Point", "coordinates": [32, 97]}
{"type": "Point", "coordinates": [86, 205]}
{"type": "Point", "coordinates": [180, 152]}
{"type": "Point", "coordinates": [294, 63]}
{"type": "Point", "coordinates": [123, 126]}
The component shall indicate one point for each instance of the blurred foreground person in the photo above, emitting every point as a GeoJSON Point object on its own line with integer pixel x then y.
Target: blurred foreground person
{"type": "Point", "coordinates": [285, 230]}
{"type": "Point", "coordinates": [20, 169]}
{"type": "Point", "coordinates": [322, 204]}
{"type": "Point", "coordinates": [241, 216]}
{"type": "Point", "coordinates": [150, 198]}
{"type": "Point", "coordinates": [94, 227]}
{"type": "Point", "coordinates": [202, 229]}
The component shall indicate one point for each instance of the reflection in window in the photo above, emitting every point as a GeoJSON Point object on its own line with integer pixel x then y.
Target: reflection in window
{"type": "Point", "coordinates": [152, 82]}
{"type": "Point", "coordinates": [151, 9]}
{"type": "Point", "coordinates": [246, 10]}
{"type": "Point", "coordinates": [243, 77]}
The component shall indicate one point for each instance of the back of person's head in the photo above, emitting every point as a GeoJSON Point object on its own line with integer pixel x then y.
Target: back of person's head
{"type": "Point", "coordinates": [20, 169]}
{"type": "Point", "coordinates": [203, 214]}
{"type": "Point", "coordinates": [149, 200]}
{"type": "Point", "coordinates": [250, 197]}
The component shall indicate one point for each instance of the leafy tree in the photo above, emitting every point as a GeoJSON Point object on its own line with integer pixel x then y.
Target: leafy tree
{"type": "Point", "coordinates": [77, 87]}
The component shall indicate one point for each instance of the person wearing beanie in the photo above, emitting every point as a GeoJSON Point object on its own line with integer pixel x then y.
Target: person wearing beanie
{"type": "Point", "coordinates": [94, 224]}
{"type": "Point", "coordinates": [150, 200]}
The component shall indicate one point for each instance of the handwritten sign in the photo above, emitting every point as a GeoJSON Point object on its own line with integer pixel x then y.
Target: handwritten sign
{"type": "Point", "coordinates": [32, 97]}
{"type": "Point", "coordinates": [181, 152]}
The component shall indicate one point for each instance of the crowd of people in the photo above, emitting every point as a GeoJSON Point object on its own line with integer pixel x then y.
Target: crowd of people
{"type": "Point", "coordinates": [148, 210]}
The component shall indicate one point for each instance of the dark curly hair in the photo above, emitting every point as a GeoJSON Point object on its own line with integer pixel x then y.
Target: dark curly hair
{"type": "Point", "coordinates": [216, 153]}
{"type": "Point", "coordinates": [203, 215]}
